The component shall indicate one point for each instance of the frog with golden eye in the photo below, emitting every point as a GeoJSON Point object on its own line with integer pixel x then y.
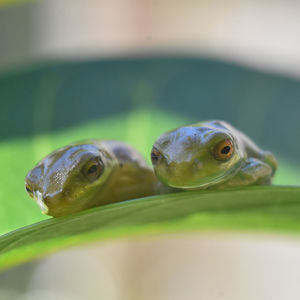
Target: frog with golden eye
{"type": "Point", "coordinates": [210, 154]}
{"type": "Point", "coordinates": [88, 174]}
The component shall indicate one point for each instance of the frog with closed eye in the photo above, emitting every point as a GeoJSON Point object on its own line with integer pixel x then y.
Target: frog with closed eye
{"type": "Point", "coordinates": [210, 154]}
{"type": "Point", "coordinates": [88, 174]}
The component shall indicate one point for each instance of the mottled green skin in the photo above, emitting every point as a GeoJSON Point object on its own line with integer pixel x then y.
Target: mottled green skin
{"type": "Point", "coordinates": [60, 188]}
{"type": "Point", "coordinates": [187, 160]}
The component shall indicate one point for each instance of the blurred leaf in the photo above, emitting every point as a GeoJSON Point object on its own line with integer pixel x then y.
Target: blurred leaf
{"type": "Point", "coordinates": [260, 208]}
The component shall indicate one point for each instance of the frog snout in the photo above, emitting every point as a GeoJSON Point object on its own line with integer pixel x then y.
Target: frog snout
{"type": "Point", "coordinates": [49, 202]}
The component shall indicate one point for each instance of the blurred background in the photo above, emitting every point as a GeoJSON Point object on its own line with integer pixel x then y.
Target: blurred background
{"type": "Point", "coordinates": [129, 70]}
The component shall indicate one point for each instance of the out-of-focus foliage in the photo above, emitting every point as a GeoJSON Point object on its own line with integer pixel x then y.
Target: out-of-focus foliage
{"type": "Point", "coordinates": [52, 97]}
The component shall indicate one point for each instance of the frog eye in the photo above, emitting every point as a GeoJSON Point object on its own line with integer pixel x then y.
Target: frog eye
{"type": "Point", "coordinates": [28, 189]}
{"type": "Point", "coordinates": [155, 155]}
{"type": "Point", "coordinates": [93, 169]}
{"type": "Point", "coordinates": [224, 150]}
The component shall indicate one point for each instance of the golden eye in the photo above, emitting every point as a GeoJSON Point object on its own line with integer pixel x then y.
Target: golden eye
{"type": "Point", "coordinates": [93, 169]}
{"type": "Point", "coordinates": [224, 150]}
{"type": "Point", "coordinates": [28, 188]}
{"type": "Point", "coordinates": [155, 155]}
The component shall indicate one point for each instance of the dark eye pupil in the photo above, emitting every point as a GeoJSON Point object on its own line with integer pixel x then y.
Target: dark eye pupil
{"type": "Point", "coordinates": [92, 169]}
{"type": "Point", "coordinates": [225, 150]}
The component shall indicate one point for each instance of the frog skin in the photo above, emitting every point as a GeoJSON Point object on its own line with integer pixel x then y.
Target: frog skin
{"type": "Point", "coordinates": [210, 154]}
{"type": "Point", "coordinates": [89, 174]}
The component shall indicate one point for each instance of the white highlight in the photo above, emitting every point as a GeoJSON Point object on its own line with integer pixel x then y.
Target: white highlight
{"type": "Point", "coordinates": [40, 201]}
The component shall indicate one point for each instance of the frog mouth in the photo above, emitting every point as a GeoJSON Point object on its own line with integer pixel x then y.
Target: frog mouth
{"type": "Point", "coordinates": [38, 197]}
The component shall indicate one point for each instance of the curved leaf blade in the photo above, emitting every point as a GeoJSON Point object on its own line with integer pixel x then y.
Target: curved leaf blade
{"type": "Point", "coordinates": [264, 208]}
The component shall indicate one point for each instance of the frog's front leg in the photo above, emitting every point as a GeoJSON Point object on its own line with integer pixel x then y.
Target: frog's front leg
{"type": "Point", "coordinates": [253, 172]}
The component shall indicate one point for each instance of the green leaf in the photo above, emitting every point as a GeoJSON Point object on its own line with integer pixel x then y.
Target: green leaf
{"type": "Point", "coordinates": [260, 208]}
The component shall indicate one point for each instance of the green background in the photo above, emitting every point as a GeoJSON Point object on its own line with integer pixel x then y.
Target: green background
{"type": "Point", "coordinates": [135, 100]}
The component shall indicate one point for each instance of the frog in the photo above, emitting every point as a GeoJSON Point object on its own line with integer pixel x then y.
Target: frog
{"type": "Point", "coordinates": [87, 174]}
{"type": "Point", "coordinates": [210, 155]}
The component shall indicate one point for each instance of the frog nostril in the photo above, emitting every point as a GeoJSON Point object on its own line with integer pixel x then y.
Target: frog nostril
{"type": "Point", "coordinates": [155, 155]}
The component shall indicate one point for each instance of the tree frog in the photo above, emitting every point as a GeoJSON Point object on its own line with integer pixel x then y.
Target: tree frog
{"type": "Point", "coordinates": [88, 174]}
{"type": "Point", "coordinates": [210, 154]}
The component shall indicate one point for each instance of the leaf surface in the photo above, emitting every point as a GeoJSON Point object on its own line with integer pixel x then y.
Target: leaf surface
{"type": "Point", "coordinates": [260, 208]}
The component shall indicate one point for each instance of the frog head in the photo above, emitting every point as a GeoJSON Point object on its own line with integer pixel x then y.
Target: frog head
{"type": "Point", "coordinates": [68, 179]}
{"type": "Point", "coordinates": [195, 157]}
